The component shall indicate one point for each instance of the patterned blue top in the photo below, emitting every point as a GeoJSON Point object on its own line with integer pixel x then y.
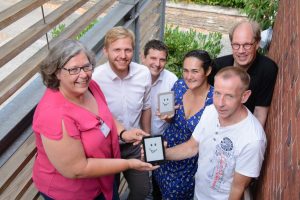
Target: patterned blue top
{"type": "Point", "coordinates": [176, 178]}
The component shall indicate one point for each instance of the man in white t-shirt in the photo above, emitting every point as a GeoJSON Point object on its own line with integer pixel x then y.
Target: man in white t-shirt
{"type": "Point", "coordinates": [126, 86]}
{"type": "Point", "coordinates": [155, 58]}
{"type": "Point", "coordinates": [229, 139]}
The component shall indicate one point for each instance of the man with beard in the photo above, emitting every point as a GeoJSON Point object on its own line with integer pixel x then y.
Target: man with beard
{"type": "Point", "coordinates": [126, 86]}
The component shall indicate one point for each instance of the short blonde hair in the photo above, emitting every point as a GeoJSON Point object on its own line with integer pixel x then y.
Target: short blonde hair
{"type": "Point", "coordinates": [230, 71]}
{"type": "Point", "coordinates": [116, 33]}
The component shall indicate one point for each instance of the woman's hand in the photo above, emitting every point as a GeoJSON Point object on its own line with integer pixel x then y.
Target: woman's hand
{"type": "Point", "coordinates": [134, 136]}
{"type": "Point", "coordinates": [166, 118]}
{"type": "Point", "coordinates": [140, 165]}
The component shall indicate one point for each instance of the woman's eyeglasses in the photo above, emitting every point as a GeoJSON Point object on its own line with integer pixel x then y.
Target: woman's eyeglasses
{"type": "Point", "coordinates": [76, 70]}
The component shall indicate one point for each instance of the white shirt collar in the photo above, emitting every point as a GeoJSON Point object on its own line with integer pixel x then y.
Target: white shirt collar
{"type": "Point", "coordinates": [113, 75]}
{"type": "Point", "coordinates": [160, 78]}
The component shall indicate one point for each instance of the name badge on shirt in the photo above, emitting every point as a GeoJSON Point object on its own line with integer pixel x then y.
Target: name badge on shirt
{"type": "Point", "coordinates": [104, 128]}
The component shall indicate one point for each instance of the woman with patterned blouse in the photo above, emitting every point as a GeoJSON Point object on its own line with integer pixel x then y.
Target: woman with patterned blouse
{"type": "Point", "coordinates": [192, 95]}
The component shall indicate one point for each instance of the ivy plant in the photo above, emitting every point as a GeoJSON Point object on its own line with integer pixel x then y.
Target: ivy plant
{"type": "Point", "coordinates": [56, 31]}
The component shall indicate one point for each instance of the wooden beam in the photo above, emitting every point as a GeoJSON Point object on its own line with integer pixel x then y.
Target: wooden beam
{"type": "Point", "coordinates": [23, 73]}
{"type": "Point", "coordinates": [149, 35]}
{"type": "Point", "coordinates": [20, 183]}
{"type": "Point", "coordinates": [30, 193]}
{"type": "Point", "coordinates": [11, 169]}
{"type": "Point", "coordinates": [17, 11]}
{"type": "Point", "coordinates": [12, 48]}
{"type": "Point", "coordinates": [153, 22]}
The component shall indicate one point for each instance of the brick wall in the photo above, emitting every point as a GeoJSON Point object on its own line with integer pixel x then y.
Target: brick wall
{"type": "Point", "coordinates": [280, 178]}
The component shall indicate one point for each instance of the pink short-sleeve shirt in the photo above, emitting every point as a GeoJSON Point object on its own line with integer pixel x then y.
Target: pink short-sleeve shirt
{"type": "Point", "coordinates": [83, 125]}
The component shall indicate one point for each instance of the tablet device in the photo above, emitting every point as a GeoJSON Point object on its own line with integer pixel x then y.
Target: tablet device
{"type": "Point", "coordinates": [166, 103]}
{"type": "Point", "coordinates": [154, 149]}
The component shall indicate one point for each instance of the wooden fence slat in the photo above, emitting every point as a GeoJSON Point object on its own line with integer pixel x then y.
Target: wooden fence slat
{"type": "Point", "coordinates": [154, 20]}
{"type": "Point", "coordinates": [123, 185]}
{"type": "Point", "coordinates": [151, 9]}
{"type": "Point", "coordinates": [17, 11]}
{"type": "Point", "coordinates": [10, 84]}
{"type": "Point", "coordinates": [150, 35]}
{"type": "Point", "coordinates": [23, 73]}
{"type": "Point", "coordinates": [20, 183]}
{"type": "Point", "coordinates": [15, 164]}
{"type": "Point", "coordinates": [31, 193]}
{"type": "Point", "coordinates": [12, 48]}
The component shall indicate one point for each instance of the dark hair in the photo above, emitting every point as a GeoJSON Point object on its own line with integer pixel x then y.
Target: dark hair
{"type": "Point", "coordinates": [200, 55]}
{"type": "Point", "coordinates": [58, 56]}
{"type": "Point", "coordinates": [230, 71]}
{"type": "Point", "coordinates": [157, 45]}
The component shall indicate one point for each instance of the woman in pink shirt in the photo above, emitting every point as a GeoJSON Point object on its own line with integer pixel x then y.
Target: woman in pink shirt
{"type": "Point", "coordinates": [76, 136]}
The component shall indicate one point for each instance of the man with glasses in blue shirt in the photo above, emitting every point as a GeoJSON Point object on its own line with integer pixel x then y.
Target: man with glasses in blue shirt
{"type": "Point", "coordinates": [245, 38]}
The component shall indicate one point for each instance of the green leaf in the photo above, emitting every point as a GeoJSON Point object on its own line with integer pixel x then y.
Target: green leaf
{"type": "Point", "coordinates": [180, 42]}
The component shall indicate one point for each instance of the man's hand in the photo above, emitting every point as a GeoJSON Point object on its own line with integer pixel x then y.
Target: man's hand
{"type": "Point", "coordinates": [134, 136]}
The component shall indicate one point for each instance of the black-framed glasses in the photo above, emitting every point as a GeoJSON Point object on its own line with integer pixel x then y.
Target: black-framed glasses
{"type": "Point", "coordinates": [76, 70]}
{"type": "Point", "coordinates": [246, 46]}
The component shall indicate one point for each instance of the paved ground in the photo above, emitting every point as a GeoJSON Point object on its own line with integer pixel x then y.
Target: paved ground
{"type": "Point", "coordinates": [204, 19]}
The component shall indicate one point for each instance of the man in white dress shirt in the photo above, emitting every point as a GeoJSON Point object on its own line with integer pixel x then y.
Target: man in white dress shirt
{"type": "Point", "coordinates": [155, 58]}
{"type": "Point", "coordinates": [230, 141]}
{"type": "Point", "coordinates": [126, 86]}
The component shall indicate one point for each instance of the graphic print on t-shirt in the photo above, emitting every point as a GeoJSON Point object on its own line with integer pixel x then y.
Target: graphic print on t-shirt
{"type": "Point", "coordinates": [222, 165]}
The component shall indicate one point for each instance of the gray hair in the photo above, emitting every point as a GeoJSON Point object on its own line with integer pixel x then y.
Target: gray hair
{"type": "Point", "coordinates": [58, 57]}
{"type": "Point", "coordinates": [256, 30]}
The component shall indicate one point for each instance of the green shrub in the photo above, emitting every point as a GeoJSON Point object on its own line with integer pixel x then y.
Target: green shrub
{"type": "Point", "coordinates": [262, 11]}
{"type": "Point", "coordinates": [180, 42]}
{"type": "Point", "coordinates": [225, 3]}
